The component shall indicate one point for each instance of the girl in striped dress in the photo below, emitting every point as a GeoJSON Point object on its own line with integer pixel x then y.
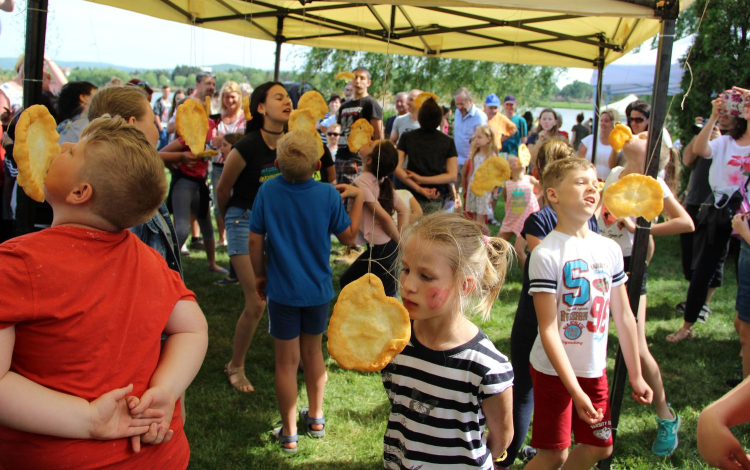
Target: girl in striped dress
{"type": "Point", "coordinates": [520, 202]}
{"type": "Point", "coordinates": [450, 389]}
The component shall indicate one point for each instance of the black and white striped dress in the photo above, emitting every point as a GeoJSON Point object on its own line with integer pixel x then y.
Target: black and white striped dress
{"type": "Point", "coordinates": [436, 416]}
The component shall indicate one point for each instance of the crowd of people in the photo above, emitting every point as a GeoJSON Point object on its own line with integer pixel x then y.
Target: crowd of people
{"type": "Point", "coordinates": [403, 207]}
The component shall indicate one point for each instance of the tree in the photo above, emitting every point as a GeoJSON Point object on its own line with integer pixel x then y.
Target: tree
{"type": "Point", "coordinates": [391, 74]}
{"type": "Point", "coordinates": [185, 70]}
{"type": "Point", "coordinates": [577, 90]}
{"type": "Point", "coordinates": [720, 59]}
{"type": "Point", "coordinates": [179, 81]}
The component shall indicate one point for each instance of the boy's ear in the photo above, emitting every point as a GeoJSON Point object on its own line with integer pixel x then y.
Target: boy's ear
{"type": "Point", "coordinates": [81, 194]}
{"type": "Point", "coordinates": [318, 166]}
{"type": "Point", "coordinates": [552, 195]}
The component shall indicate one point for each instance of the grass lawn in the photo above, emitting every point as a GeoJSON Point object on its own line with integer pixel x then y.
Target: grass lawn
{"type": "Point", "coordinates": [231, 430]}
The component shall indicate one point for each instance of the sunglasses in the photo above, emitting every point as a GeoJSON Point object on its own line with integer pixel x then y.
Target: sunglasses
{"type": "Point", "coordinates": [636, 120]}
{"type": "Point", "coordinates": [333, 134]}
{"type": "Point", "coordinates": [143, 85]}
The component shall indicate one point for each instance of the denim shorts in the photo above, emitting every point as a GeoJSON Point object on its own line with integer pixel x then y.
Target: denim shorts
{"type": "Point", "coordinates": [285, 322]}
{"type": "Point", "coordinates": [237, 222]}
{"type": "Point", "coordinates": [742, 304]}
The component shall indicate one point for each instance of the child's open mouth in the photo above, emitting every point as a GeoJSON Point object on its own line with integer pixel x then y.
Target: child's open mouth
{"type": "Point", "coordinates": [590, 200]}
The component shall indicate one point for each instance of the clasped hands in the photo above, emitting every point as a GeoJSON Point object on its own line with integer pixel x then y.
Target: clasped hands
{"type": "Point", "coordinates": [145, 420]}
{"type": "Point", "coordinates": [429, 193]}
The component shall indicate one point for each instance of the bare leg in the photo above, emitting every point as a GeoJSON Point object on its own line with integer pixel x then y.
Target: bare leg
{"type": "Point", "coordinates": [649, 366]}
{"type": "Point", "coordinates": [745, 343]}
{"type": "Point", "coordinates": [583, 457]}
{"type": "Point", "coordinates": [547, 460]}
{"type": "Point", "coordinates": [196, 231]}
{"type": "Point", "coordinates": [505, 235]}
{"type": "Point", "coordinates": [249, 318]}
{"type": "Point", "coordinates": [221, 229]}
{"type": "Point", "coordinates": [312, 356]}
{"type": "Point", "coordinates": [711, 292]}
{"type": "Point", "coordinates": [287, 361]}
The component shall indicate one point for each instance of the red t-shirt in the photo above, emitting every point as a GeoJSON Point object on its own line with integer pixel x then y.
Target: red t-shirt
{"type": "Point", "coordinates": [199, 169]}
{"type": "Point", "coordinates": [89, 309]}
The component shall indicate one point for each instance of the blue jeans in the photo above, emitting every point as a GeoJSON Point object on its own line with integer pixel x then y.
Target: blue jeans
{"type": "Point", "coordinates": [742, 304]}
{"type": "Point", "coordinates": [163, 138]}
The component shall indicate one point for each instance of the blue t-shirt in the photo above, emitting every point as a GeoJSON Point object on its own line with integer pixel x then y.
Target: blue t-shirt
{"type": "Point", "coordinates": [511, 144]}
{"type": "Point", "coordinates": [298, 220]}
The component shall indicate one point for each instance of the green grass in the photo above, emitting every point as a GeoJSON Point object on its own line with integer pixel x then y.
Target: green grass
{"type": "Point", "coordinates": [229, 430]}
{"type": "Point", "coordinates": [566, 104]}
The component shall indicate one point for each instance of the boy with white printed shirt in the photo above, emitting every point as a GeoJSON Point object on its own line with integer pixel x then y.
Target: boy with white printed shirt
{"type": "Point", "coordinates": [576, 275]}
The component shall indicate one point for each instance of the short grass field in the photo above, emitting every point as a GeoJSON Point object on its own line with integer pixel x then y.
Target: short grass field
{"type": "Point", "coordinates": [232, 430]}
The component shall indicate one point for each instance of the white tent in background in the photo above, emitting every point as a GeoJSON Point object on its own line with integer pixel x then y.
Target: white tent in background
{"type": "Point", "coordinates": [620, 106]}
{"type": "Point", "coordinates": [634, 73]}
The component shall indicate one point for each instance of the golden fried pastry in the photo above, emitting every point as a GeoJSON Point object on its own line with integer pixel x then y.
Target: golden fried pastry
{"type": "Point", "coordinates": [490, 174]}
{"type": "Point", "coordinates": [359, 135]}
{"type": "Point", "coordinates": [315, 102]}
{"type": "Point", "coordinates": [422, 97]}
{"type": "Point", "coordinates": [34, 149]}
{"type": "Point", "coordinates": [345, 75]}
{"type": "Point", "coordinates": [192, 125]}
{"type": "Point", "coordinates": [304, 120]}
{"type": "Point", "coordinates": [367, 328]}
{"type": "Point", "coordinates": [635, 195]}
{"type": "Point", "coordinates": [502, 125]}
{"type": "Point", "coordinates": [618, 136]}
{"type": "Point", "coordinates": [524, 155]}
{"type": "Point", "coordinates": [246, 108]}
{"type": "Point", "coordinates": [207, 105]}
{"type": "Point", "coordinates": [210, 153]}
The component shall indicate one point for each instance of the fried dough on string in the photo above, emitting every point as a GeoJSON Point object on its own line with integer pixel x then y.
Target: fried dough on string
{"type": "Point", "coordinates": [490, 174]}
{"type": "Point", "coordinates": [34, 149]}
{"type": "Point", "coordinates": [635, 196]}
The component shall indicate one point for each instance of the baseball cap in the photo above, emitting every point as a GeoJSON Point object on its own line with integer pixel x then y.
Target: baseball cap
{"type": "Point", "coordinates": [510, 99]}
{"type": "Point", "coordinates": [492, 100]}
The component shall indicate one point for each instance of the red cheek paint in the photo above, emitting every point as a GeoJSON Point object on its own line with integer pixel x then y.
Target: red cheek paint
{"type": "Point", "coordinates": [436, 297]}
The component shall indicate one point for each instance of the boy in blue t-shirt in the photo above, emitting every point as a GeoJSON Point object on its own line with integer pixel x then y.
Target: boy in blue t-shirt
{"type": "Point", "coordinates": [293, 216]}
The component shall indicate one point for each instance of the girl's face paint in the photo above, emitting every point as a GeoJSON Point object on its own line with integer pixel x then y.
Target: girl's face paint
{"type": "Point", "coordinates": [436, 297]}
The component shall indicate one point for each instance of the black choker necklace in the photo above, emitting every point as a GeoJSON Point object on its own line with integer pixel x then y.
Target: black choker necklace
{"type": "Point", "coordinates": [271, 132]}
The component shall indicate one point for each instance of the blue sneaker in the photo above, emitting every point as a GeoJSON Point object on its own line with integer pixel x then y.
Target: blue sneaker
{"type": "Point", "coordinates": [666, 435]}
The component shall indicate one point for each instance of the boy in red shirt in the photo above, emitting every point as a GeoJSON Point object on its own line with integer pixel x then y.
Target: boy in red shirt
{"type": "Point", "coordinates": [77, 336]}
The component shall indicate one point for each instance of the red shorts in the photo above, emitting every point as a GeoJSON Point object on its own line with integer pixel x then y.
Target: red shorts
{"type": "Point", "coordinates": [555, 416]}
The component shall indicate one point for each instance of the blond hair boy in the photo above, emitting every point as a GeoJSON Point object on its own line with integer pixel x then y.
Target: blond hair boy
{"type": "Point", "coordinates": [575, 276]}
{"type": "Point", "coordinates": [292, 218]}
{"type": "Point", "coordinates": [78, 336]}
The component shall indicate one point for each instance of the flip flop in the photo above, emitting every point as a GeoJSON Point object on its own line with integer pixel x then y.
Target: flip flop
{"type": "Point", "coordinates": [679, 335]}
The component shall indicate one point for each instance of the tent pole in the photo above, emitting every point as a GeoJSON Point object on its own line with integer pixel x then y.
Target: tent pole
{"type": "Point", "coordinates": [597, 102]}
{"type": "Point", "coordinates": [33, 69]}
{"type": "Point", "coordinates": [279, 41]}
{"type": "Point", "coordinates": [640, 244]}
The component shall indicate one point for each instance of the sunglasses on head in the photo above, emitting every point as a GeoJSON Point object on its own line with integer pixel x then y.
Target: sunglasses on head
{"type": "Point", "coordinates": [143, 85]}
{"type": "Point", "coordinates": [333, 134]}
{"type": "Point", "coordinates": [637, 120]}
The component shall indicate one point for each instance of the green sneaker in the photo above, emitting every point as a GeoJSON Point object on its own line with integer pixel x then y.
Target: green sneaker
{"type": "Point", "coordinates": [666, 435]}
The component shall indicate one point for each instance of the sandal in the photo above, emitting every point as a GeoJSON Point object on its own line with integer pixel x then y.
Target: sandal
{"type": "Point", "coordinates": [242, 379]}
{"type": "Point", "coordinates": [284, 440]}
{"type": "Point", "coordinates": [308, 423]}
{"type": "Point", "coordinates": [680, 335]}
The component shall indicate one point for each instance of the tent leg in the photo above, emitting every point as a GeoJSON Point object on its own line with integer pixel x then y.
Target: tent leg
{"type": "Point", "coordinates": [640, 244]}
{"type": "Point", "coordinates": [33, 68]}
{"type": "Point", "coordinates": [597, 104]}
{"type": "Point", "coordinates": [279, 42]}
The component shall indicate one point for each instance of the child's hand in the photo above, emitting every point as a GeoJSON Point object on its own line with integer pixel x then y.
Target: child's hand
{"type": "Point", "coordinates": [156, 398]}
{"type": "Point", "coordinates": [189, 158]}
{"type": "Point", "coordinates": [348, 190]}
{"type": "Point", "coordinates": [717, 107]}
{"type": "Point", "coordinates": [717, 445]}
{"type": "Point", "coordinates": [626, 223]}
{"type": "Point", "coordinates": [260, 287]}
{"type": "Point", "coordinates": [715, 133]}
{"type": "Point", "coordinates": [430, 193]}
{"type": "Point", "coordinates": [739, 223]}
{"type": "Point", "coordinates": [586, 410]}
{"type": "Point", "coordinates": [111, 418]}
{"type": "Point", "coordinates": [642, 393]}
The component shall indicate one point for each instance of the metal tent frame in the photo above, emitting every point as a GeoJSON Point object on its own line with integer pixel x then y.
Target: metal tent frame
{"type": "Point", "coordinates": [607, 50]}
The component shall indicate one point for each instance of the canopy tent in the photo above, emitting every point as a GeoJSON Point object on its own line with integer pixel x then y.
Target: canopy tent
{"type": "Point", "coordinates": [584, 33]}
{"type": "Point", "coordinates": [634, 72]}
{"type": "Point", "coordinates": [537, 32]}
{"type": "Point", "coordinates": [621, 105]}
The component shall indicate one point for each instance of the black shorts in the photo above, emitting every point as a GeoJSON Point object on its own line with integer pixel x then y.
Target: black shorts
{"type": "Point", "coordinates": [626, 259]}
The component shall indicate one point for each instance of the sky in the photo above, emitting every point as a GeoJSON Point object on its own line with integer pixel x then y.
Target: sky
{"type": "Point", "coordinates": [83, 31]}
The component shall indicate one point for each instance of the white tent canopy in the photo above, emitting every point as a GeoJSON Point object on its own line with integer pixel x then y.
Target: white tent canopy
{"type": "Point", "coordinates": [634, 73]}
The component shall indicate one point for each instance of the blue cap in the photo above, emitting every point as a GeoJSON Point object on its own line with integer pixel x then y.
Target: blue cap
{"type": "Point", "coordinates": [492, 100]}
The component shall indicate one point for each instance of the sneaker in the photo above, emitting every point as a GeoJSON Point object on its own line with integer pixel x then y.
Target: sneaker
{"type": "Point", "coordinates": [226, 281]}
{"type": "Point", "coordinates": [666, 435]}
{"type": "Point", "coordinates": [704, 314]}
{"type": "Point", "coordinates": [680, 307]}
{"type": "Point", "coordinates": [527, 453]}
{"type": "Point", "coordinates": [492, 221]}
{"type": "Point", "coordinates": [197, 244]}
{"type": "Point", "coordinates": [184, 252]}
